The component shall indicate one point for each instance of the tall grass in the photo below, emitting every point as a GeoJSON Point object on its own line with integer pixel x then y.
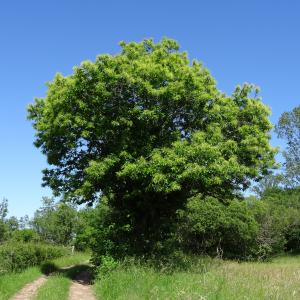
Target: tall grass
{"type": "Point", "coordinates": [210, 280]}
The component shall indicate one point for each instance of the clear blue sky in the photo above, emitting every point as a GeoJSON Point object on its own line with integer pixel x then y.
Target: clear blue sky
{"type": "Point", "coordinates": [239, 41]}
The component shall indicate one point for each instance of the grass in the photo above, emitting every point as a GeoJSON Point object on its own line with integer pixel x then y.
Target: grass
{"type": "Point", "coordinates": [56, 288]}
{"type": "Point", "coordinates": [77, 258]}
{"type": "Point", "coordinates": [206, 279]}
{"type": "Point", "coordinates": [58, 284]}
{"type": "Point", "coordinates": [13, 282]}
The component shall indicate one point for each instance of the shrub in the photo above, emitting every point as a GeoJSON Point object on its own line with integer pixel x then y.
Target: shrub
{"type": "Point", "coordinates": [107, 264]}
{"type": "Point", "coordinates": [18, 256]}
{"type": "Point", "coordinates": [270, 239]}
{"type": "Point", "coordinates": [209, 226]}
{"type": "Point", "coordinates": [25, 235]}
{"type": "Point", "coordinates": [278, 216]}
{"type": "Point", "coordinates": [285, 207]}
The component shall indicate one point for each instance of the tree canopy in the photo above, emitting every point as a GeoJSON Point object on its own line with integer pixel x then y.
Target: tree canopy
{"type": "Point", "coordinates": [55, 222]}
{"type": "Point", "coordinates": [288, 128]}
{"type": "Point", "coordinates": [146, 129]}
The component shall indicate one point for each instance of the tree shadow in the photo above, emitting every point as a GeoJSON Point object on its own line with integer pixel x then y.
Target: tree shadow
{"type": "Point", "coordinates": [48, 268]}
{"type": "Point", "coordinates": [83, 274]}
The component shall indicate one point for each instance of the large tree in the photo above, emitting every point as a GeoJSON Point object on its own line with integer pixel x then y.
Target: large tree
{"type": "Point", "coordinates": [288, 128]}
{"type": "Point", "coordinates": [147, 129]}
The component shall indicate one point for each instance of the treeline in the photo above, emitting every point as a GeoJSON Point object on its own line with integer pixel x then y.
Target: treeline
{"type": "Point", "coordinates": [29, 242]}
{"type": "Point", "coordinates": [252, 228]}
{"type": "Point", "coordinates": [53, 223]}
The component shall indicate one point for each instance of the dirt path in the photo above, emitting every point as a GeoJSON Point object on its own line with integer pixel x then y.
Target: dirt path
{"type": "Point", "coordinates": [81, 288]}
{"type": "Point", "coordinates": [28, 291]}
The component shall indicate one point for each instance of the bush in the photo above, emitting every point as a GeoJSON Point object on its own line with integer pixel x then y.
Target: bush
{"type": "Point", "coordinates": [285, 207]}
{"type": "Point", "coordinates": [252, 228]}
{"type": "Point", "coordinates": [18, 256]}
{"type": "Point", "coordinates": [278, 216]}
{"type": "Point", "coordinates": [204, 226]}
{"type": "Point", "coordinates": [25, 235]}
{"type": "Point", "coordinates": [270, 239]}
{"type": "Point", "coordinates": [209, 226]}
{"type": "Point", "coordinates": [107, 264]}
{"type": "Point", "coordinates": [111, 235]}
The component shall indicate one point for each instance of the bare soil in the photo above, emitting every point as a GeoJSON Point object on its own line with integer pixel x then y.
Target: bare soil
{"type": "Point", "coordinates": [29, 290]}
{"type": "Point", "coordinates": [81, 287]}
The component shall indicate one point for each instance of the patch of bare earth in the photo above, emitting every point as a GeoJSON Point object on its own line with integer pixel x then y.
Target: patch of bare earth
{"type": "Point", "coordinates": [29, 290]}
{"type": "Point", "coordinates": [81, 287]}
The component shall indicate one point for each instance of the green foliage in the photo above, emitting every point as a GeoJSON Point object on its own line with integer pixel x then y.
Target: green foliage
{"type": "Point", "coordinates": [18, 256]}
{"type": "Point", "coordinates": [3, 209]}
{"type": "Point", "coordinates": [107, 264]}
{"type": "Point", "coordinates": [270, 182]}
{"type": "Point", "coordinates": [85, 229]}
{"type": "Point", "coordinates": [277, 212]}
{"type": "Point", "coordinates": [25, 235]}
{"type": "Point", "coordinates": [12, 224]}
{"type": "Point", "coordinates": [209, 226]}
{"type": "Point", "coordinates": [288, 128]}
{"type": "Point", "coordinates": [285, 209]}
{"type": "Point", "coordinates": [147, 129]}
{"type": "Point", "coordinates": [11, 228]}
{"type": "Point", "coordinates": [270, 239]}
{"type": "Point", "coordinates": [55, 222]}
{"type": "Point", "coordinates": [3, 214]}
{"type": "Point", "coordinates": [108, 238]}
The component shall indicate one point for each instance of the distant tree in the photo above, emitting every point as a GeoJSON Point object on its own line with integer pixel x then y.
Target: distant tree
{"type": "Point", "coordinates": [24, 222]}
{"type": "Point", "coordinates": [269, 183]}
{"type": "Point", "coordinates": [25, 235]}
{"type": "Point", "coordinates": [147, 129]}
{"type": "Point", "coordinates": [284, 208]}
{"type": "Point", "coordinates": [55, 222]}
{"type": "Point", "coordinates": [43, 220]}
{"type": "Point", "coordinates": [12, 224]}
{"type": "Point", "coordinates": [3, 209]}
{"type": "Point", "coordinates": [288, 128]}
{"type": "Point", "coordinates": [3, 214]}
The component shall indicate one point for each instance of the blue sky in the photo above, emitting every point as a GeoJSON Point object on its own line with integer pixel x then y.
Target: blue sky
{"type": "Point", "coordinates": [239, 41]}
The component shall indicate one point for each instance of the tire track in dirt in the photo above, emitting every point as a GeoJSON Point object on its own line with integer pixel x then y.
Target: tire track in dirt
{"type": "Point", "coordinates": [29, 290]}
{"type": "Point", "coordinates": [81, 287]}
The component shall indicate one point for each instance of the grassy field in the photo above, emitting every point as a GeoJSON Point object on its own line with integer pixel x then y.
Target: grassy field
{"type": "Point", "coordinates": [206, 279]}
{"type": "Point", "coordinates": [11, 283]}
